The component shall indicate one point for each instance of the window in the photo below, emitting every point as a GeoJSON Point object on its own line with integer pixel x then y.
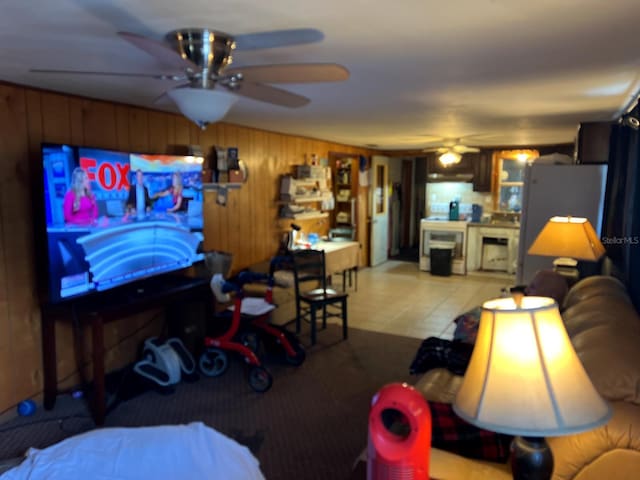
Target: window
{"type": "Point", "coordinates": [511, 178]}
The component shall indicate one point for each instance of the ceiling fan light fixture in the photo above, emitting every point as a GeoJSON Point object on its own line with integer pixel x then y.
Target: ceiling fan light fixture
{"type": "Point", "coordinates": [202, 106]}
{"type": "Point", "coordinates": [450, 158]}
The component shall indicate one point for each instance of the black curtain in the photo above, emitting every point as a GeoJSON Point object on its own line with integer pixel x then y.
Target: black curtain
{"type": "Point", "coordinates": [621, 228]}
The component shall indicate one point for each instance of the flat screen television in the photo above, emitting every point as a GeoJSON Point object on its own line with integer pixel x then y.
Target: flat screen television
{"type": "Point", "coordinates": [113, 218]}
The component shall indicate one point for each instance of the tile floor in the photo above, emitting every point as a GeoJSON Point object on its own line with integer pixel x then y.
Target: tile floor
{"type": "Point", "coordinates": [397, 298]}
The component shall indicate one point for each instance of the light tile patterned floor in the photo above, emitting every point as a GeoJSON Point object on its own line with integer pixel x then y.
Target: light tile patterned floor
{"type": "Point", "coordinates": [396, 297]}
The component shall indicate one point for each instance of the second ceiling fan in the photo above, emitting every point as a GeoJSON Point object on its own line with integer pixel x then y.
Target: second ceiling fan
{"type": "Point", "coordinates": [451, 151]}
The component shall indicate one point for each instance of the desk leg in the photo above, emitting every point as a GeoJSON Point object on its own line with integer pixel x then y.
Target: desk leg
{"type": "Point", "coordinates": [49, 361]}
{"type": "Point", "coordinates": [99, 391]}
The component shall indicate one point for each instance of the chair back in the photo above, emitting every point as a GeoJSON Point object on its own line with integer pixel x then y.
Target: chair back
{"type": "Point", "coordinates": [309, 266]}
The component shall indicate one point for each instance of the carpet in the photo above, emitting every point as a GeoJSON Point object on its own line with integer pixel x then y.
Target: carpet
{"type": "Point", "coordinates": [312, 424]}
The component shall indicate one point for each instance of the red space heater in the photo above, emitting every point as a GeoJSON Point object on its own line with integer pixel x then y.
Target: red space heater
{"type": "Point", "coordinates": [399, 434]}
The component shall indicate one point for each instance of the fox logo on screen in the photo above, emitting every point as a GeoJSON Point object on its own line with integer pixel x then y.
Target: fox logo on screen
{"type": "Point", "coordinates": [108, 175]}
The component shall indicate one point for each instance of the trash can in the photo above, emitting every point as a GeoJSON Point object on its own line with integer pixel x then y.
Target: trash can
{"type": "Point", "coordinates": [441, 257]}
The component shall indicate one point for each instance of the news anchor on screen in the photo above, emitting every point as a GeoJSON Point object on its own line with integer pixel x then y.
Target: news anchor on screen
{"type": "Point", "coordinates": [139, 200]}
{"type": "Point", "coordinates": [175, 191]}
{"type": "Point", "coordinates": [79, 205]}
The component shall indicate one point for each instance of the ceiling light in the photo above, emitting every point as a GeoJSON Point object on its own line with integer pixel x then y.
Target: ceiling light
{"type": "Point", "coordinates": [202, 106]}
{"type": "Point", "coordinates": [450, 158]}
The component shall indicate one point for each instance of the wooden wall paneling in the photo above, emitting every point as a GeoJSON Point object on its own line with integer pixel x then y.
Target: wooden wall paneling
{"type": "Point", "coordinates": [54, 117]}
{"type": "Point", "coordinates": [274, 157]}
{"type": "Point", "coordinates": [244, 206]}
{"type": "Point", "coordinates": [234, 214]}
{"type": "Point", "coordinates": [194, 134]}
{"type": "Point", "coordinates": [256, 165]}
{"type": "Point", "coordinates": [158, 132]}
{"type": "Point", "coordinates": [182, 130]}
{"type": "Point", "coordinates": [18, 239]}
{"type": "Point", "coordinates": [8, 396]}
{"type": "Point", "coordinates": [99, 124]}
{"type": "Point", "coordinates": [76, 120]}
{"type": "Point", "coordinates": [139, 130]}
{"type": "Point", "coordinates": [215, 215]}
{"type": "Point", "coordinates": [122, 128]}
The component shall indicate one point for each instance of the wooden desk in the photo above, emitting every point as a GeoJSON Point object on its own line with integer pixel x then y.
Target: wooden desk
{"type": "Point", "coordinates": [341, 257]}
{"type": "Point", "coordinates": [106, 307]}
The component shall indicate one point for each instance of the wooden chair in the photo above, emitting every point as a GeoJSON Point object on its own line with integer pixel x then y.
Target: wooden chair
{"type": "Point", "coordinates": [309, 267]}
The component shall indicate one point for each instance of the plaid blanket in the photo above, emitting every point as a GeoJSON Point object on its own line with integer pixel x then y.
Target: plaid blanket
{"type": "Point", "coordinates": [451, 433]}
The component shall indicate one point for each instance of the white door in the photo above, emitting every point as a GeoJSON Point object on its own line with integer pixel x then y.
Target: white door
{"type": "Point", "coordinates": [379, 243]}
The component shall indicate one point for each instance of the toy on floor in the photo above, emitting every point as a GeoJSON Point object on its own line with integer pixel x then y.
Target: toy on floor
{"type": "Point", "coordinates": [253, 313]}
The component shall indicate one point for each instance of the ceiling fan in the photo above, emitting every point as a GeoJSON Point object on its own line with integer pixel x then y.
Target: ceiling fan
{"type": "Point", "coordinates": [452, 145]}
{"type": "Point", "coordinates": [451, 151]}
{"type": "Point", "coordinates": [200, 59]}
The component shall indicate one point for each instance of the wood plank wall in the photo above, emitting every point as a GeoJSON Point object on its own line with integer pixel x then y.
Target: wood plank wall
{"type": "Point", "coordinates": [247, 227]}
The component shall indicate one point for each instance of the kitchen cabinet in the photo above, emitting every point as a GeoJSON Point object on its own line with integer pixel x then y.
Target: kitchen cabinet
{"type": "Point", "coordinates": [482, 171]}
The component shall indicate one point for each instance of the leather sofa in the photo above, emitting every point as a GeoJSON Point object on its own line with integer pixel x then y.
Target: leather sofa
{"type": "Point", "coordinates": [604, 328]}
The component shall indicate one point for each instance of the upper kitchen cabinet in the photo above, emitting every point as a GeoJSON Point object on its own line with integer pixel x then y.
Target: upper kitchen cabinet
{"type": "Point", "coordinates": [475, 167]}
{"type": "Point", "coordinates": [482, 171]}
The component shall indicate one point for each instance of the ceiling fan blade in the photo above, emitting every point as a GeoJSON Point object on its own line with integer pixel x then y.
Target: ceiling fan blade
{"type": "Point", "coordinates": [464, 149]}
{"type": "Point", "coordinates": [160, 51]}
{"type": "Point", "coordinates": [436, 150]}
{"type": "Point", "coordinates": [277, 38]}
{"type": "Point", "coordinates": [292, 73]}
{"type": "Point", "coordinates": [266, 93]}
{"type": "Point", "coordinates": [158, 76]}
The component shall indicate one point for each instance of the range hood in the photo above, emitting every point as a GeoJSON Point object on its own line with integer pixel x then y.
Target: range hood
{"type": "Point", "coordinates": [449, 177]}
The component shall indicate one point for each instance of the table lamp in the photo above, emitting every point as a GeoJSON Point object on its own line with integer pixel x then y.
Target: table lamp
{"type": "Point", "coordinates": [525, 379]}
{"type": "Point", "coordinates": [572, 239]}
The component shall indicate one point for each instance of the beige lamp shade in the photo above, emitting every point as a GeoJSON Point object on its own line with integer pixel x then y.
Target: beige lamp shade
{"type": "Point", "coordinates": [572, 237]}
{"type": "Point", "coordinates": [524, 377]}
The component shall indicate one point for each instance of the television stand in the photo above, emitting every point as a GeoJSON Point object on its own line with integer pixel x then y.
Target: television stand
{"type": "Point", "coordinates": [105, 307]}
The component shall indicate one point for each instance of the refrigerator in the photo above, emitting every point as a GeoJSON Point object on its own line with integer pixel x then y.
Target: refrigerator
{"type": "Point", "coordinates": [549, 190]}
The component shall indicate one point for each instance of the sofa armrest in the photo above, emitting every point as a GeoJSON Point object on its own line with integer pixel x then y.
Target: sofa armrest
{"type": "Point", "coordinates": [439, 385]}
{"type": "Point", "coordinates": [611, 451]}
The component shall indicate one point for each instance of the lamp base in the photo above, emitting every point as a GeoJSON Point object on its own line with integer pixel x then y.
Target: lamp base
{"type": "Point", "coordinates": [531, 459]}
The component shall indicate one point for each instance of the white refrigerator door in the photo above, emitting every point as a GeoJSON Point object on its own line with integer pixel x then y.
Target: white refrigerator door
{"type": "Point", "coordinates": [549, 190]}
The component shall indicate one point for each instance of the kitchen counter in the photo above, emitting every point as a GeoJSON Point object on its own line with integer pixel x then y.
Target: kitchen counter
{"type": "Point", "coordinates": [495, 225]}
